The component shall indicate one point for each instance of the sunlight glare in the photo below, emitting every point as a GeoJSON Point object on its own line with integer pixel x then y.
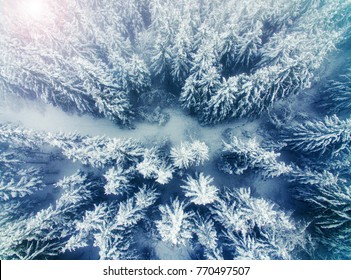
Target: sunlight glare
{"type": "Point", "coordinates": [34, 9]}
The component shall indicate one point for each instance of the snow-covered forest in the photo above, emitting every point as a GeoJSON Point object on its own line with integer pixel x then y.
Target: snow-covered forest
{"type": "Point", "coordinates": [188, 129]}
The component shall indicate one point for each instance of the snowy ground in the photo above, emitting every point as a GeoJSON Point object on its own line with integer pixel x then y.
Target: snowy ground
{"type": "Point", "coordinates": [179, 128]}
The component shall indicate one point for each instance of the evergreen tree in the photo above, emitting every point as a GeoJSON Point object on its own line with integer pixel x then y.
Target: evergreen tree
{"type": "Point", "coordinates": [161, 60]}
{"type": "Point", "coordinates": [118, 180]}
{"type": "Point", "coordinates": [331, 135]}
{"type": "Point", "coordinates": [203, 81]}
{"type": "Point", "coordinates": [19, 182]}
{"type": "Point", "coordinates": [309, 177]}
{"type": "Point", "coordinates": [19, 137]}
{"type": "Point", "coordinates": [189, 153]}
{"type": "Point", "coordinates": [110, 227]}
{"type": "Point", "coordinates": [239, 156]}
{"type": "Point", "coordinates": [96, 151]}
{"type": "Point", "coordinates": [154, 167]}
{"type": "Point", "coordinates": [200, 190]}
{"type": "Point", "coordinates": [228, 45]}
{"type": "Point", "coordinates": [208, 238]}
{"type": "Point", "coordinates": [325, 192]}
{"type": "Point", "coordinates": [138, 75]}
{"type": "Point", "coordinates": [175, 225]}
{"type": "Point", "coordinates": [181, 60]}
{"type": "Point", "coordinates": [336, 93]}
{"type": "Point", "coordinates": [327, 197]}
{"type": "Point", "coordinates": [86, 66]}
{"type": "Point", "coordinates": [249, 43]}
{"type": "Point", "coordinates": [255, 229]}
{"type": "Point", "coordinates": [44, 234]}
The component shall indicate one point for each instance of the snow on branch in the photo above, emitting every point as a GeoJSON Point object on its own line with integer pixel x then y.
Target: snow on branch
{"type": "Point", "coordinates": [239, 156]}
{"type": "Point", "coordinates": [189, 154]}
{"type": "Point", "coordinates": [200, 189]}
{"type": "Point", "coordinates": [330, 135]}
{"type": "Point", "coordinates": [256, 229]}
{"type": "Point", "coordinates": [175, 225]}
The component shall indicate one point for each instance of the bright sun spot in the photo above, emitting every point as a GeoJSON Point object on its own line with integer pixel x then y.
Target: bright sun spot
{"type": "Point", "coordinates": [34, 9]}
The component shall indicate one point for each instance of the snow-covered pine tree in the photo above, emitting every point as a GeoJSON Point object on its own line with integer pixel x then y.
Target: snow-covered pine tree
{"type": "Point", "coordinates": [21, 162]}
{"type": "Point", "coordinates": [161, 59]}
{"type": "Point", "coordinates": [255, 229]}
{"type": "Point", "coordinates": [152, 166]}
{"type": "Point", "coordinates": [287, 66]}
{"type": "Point", "coordinates": [222, 102]}
{"type": "Point", "coordinates": [85, 66]}
{"type": "Point", "coordinates": [164, 174]}
{"type": "Point", "coordinates": [239, 156]}
{"type": "Point", "coordinates": [138, 75]}
{"type": "Point", "coordinates": [18, 136]}
{"type": "Point", "coordinates": [148, 167]}
{"type": "Point", "coordinates": [330, 135]}
{"type": "Point", "coordinates": [188, 154]}
{"type": "Point", "coordinates": [308, 177]}
{"type": "Point", "coordinates": [328, 198]}
{"type": "Point", "coordinates": [249, 43]}
{"type": "Point", "coordinates": [109, 227]}
{"type": "Point", "coordinates": [181, 60]}
{"type": "Point", "coordinates": [160, 13]}
{"type": "Point", "coordinates": [97, 151]}
{"type": "Point", "coordinates": [17, 183]}
{"type": "Point", "coordinates": [44, 234]}
{"type": "Point", "coordinates": [200, 189]}
{"type": "Point", "coordinates": [336, 93]}
{"type": "Point", "coordinates": [228, 46]}
{"type": "Point", "coordinates": [204, 79]}
{"type": "Point", "coordinates": [175, 225]}
{"type": "Point", "coordinates": [208, 238]}
{"type": "Point", "coordinates": [132, 14]}
{"type": "Point", "coordinates": [117, 181]}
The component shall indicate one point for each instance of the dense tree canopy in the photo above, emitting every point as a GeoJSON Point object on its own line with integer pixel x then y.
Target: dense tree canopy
{"type": "Point", "coordinates": [245, 107]}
